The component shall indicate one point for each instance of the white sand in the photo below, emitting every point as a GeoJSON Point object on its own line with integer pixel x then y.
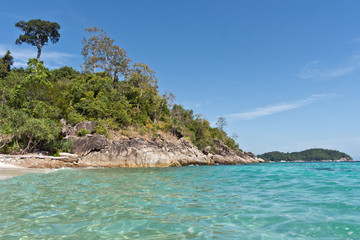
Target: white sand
{"type": "Point", "coordinates": [8, 171]}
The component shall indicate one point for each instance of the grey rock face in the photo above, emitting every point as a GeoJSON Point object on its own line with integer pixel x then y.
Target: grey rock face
{"type": "Point", "coordinates": [90, 143]}
{"type": "Point", "coordinates": [141, 153]}
{"type": "Point", "coordinates": [97, 151]}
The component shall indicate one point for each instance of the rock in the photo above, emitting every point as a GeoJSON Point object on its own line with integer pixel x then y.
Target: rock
{"type": "Point", "coordinates": [250, 154]}
{"type": "Point", "coordinates": [141, 153]}
{"type": "Point", "coordinates": [222, 149]}
{"type": "Point", "coordinates": [69, 131]}
{"type": "Point", "coordinates": [66, 129]}
{"type": "Point", "coordinates": [206, 150]}
{"type": "Point", "coordinates": [68, 155]}
{"type": "Point", "coordinates": [85, 145]}
{"type": "Point", "coordinates": [87, 125]}
{"type": "Point", "coordinates": [225, 155]}
{"type": "Point", "coordinates": [97, 151]}
{"type": "Point", "coordinates": [176, 133]}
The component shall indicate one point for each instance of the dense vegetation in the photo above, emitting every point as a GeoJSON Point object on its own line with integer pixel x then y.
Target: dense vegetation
{"type": "Point", "coordinates": [315, 154]}
{"type": "Point", "coordinates": [117, 95]}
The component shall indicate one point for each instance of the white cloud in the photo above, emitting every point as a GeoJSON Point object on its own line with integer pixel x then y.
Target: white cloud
{"type": "Point", "coordinates": [21, 55]}
{"type": "Point", "coordinates": [281, 107]}
{"type": "Point", "coordinates": [312, 70]}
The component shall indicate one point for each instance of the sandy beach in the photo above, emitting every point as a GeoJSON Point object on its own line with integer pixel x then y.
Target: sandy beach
{"type": "Point", "coordinates": [8, 171]}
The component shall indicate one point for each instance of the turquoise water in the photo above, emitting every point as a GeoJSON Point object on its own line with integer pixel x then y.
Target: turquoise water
{"type": "Point", "coordinates": [259, 201]}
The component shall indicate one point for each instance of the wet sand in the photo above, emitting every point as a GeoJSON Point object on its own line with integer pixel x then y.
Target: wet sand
{"type": "Point", "coordinates": [8, 171]}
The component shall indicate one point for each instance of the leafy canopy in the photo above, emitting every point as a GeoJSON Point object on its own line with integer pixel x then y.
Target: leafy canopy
{"type": "Point", "coordinates": [37, 33]}
{"type": "Point", "coordinates": [99, 51]}
{"type": "Point", "coordinates": [5, 64]}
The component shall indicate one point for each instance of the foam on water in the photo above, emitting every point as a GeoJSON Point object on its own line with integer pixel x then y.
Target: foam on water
{"type": "Point", "coordinates": [259, 201]}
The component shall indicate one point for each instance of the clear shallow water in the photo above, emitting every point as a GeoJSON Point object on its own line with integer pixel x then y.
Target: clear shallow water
{"type": "Point", "coordinates": [260, 201]}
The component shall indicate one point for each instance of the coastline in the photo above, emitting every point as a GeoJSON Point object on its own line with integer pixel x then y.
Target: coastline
{"type": "Point", "coordinates": [8, 171]}
{"type": "Point", "coordinates": [98, 151]}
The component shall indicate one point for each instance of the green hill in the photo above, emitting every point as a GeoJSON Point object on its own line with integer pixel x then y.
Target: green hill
{"type": "Point", "coordinates": [121, 97]}
{"type": "Point", "coordinates": [315, 154]}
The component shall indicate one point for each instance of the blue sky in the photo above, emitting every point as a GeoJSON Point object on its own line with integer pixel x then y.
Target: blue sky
{"type": "Point", "coordinates": [285, 74]}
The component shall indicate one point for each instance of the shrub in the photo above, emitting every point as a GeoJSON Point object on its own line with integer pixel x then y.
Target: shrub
{"type": "Point", "coordinates": [82, 132]}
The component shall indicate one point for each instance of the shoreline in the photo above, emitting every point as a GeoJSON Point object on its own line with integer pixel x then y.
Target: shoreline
{"type": "Point", "coordinates": [98, 151]}
{"type": "Point", "coordinates": [8, 171]}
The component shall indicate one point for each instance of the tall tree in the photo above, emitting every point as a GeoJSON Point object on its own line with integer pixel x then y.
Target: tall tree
{"type": "Point", "coordinates": [92, 48]}
{"type": "Point", "coordinates": [221, 122]}
{"type": "Point", "coordinates": [99, 51]}
{"type": "Point", "coordinates": [118, 63]}
{"type": "Point", "coordinates": [37, 33]}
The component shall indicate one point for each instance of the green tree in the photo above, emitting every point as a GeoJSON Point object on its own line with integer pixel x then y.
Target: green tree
{"type": "Point", "coordinates": [91, 49]}
{"type": "Point", "coordinates": [118, 62]}
{"type": "Point", "coordinates": [5, 64]}
{"type": "Point", "coordinates": [36, 72]}
{"type": "Point", "coordinates": [38, 33]}
{"type": "Point", "coordinates": [25, 131]}
{"type": "Point", "coordinates": [99, 51]}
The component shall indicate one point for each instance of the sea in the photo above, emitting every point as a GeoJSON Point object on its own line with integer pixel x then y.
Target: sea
{"type": "Point", "coordinates": [256, 201]}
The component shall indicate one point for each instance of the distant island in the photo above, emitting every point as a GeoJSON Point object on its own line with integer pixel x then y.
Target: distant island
{"type": "Point", "coordinates": [310, 155]}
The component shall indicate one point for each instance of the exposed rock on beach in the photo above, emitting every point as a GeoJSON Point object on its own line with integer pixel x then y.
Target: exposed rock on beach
{"type": "Point", "coordinates": [94, 150]}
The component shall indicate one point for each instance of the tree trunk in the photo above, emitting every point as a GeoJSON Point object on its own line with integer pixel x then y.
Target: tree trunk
{"type": "Point", "coordinates": [38, 53]}
{"type": "Point", "coordinates": [114, 77]}
{"type": "Point", "coordinates": [141, 93]}
{"type": "Point", "coordinates": [27, 147]}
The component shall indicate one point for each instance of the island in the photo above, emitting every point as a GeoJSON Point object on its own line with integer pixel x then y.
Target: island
{"type": "Point", "coordinates": [310, 155]}
{"type": "Point", "coordinates": [111, 114]}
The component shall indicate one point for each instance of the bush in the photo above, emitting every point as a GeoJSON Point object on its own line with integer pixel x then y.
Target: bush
{"type": "Point", "coordinates": [82, 132]}
{"type": "Point", "coordinates": [67, 145]}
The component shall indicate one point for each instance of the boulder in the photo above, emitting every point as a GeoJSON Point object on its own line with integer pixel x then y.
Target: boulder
{"type": "Point", "coordinates": [85, 145]}
{"type": "Point", "coordinates": [222, 149]}
{"type": "Point", "coordinates": [87, 125]}
{"type": "Point", "coordinates": [69, 131]}
{"type": "Point", "coordinates": [206, 150]}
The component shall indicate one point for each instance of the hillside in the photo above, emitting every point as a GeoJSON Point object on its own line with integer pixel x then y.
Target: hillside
{"type": "Point", "coordinates": [315, 154]}
{"type": "Point", "coordinates": [121, 98]}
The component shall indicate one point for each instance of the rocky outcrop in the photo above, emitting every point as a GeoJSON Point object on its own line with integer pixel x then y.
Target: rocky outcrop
{"type": "Point", "coordinates": [137, 152]}
{"type": "Point", "coordinates": [224, 155]}
{"type": "Point", "coordinates": [40, 161]}
{"type": "Point", "coordinates": [98, 151]}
